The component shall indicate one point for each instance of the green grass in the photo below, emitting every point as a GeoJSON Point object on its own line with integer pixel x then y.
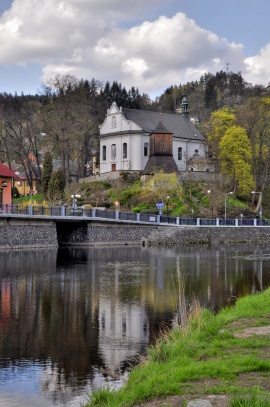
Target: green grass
{"type": "Point", "coordinates": [38, 198]}
{"type": "Point", "coordinates": [250, 401]}
{"type": "Point", "coordinates": [205, 350]}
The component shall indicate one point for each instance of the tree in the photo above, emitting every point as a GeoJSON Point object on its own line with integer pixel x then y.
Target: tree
{"type": "Point", "coordinates": [56, 187]}
{"type": "Point", "coordinates": [21, 141]}
{"type": "Point", "coordinates": [47, 173]}
{"type": "Point", "coordinates": [162, 185]}
{"type": "Point", "coordinates": [71, 117]}
{"type": "Point", "coordinates": [255, 117]}
{"type": "Point", "coordinates": [210, 95]}
{"type": "Point", "coordinates": [220, 122]}
{"type": "Point", "coordinates": [235, 156]}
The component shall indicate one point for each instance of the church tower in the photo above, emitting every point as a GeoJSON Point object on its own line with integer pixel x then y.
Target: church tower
{"type": "Point", "coordinates": [184, 107]}
{"type": "Point", "coordinates": [160, 152]}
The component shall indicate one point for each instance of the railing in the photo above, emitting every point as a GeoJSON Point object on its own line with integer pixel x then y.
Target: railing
{"type": "Point", "coordinates": [65, 211]}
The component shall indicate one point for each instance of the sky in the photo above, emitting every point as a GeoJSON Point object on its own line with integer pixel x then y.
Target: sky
{"type": "Point", "coordinates": [149, 44]}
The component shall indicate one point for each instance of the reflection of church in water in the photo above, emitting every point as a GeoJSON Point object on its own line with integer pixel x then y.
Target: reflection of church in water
{"type": "Point", "coordinates": [123, 329]}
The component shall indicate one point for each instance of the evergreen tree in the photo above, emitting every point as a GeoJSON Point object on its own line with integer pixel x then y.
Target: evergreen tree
{"type": "Point", "coordinates": [56, 187]}
{"type": "Point", "coordinates": [47, 173]}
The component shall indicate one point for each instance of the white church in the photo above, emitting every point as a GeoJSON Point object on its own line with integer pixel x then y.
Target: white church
{"type": "Point", "coordinates": [125, 140]}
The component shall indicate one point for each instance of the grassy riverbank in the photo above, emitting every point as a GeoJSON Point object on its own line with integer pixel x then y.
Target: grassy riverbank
{"type": "Point", "coordinates": [224, 354]}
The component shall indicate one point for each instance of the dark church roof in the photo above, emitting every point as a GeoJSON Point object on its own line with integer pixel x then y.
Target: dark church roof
{"type": "Point", "coordinates": [165, 163]}
{"type": "Point", "coordinates": [175, 123]}
{"type": "Point", "coordinates": [160, 129]}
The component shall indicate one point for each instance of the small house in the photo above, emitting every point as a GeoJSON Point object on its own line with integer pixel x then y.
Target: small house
{"type": "Point", "coordinates": [7, 178]}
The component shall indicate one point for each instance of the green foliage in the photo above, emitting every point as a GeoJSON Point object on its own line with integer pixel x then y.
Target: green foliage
{"type": "Point", "coordinates": [15, 192]}
{"type": "Point", "coordinates": [235, 156]}
{"type": "Point", "coordinates": [220, 122]}
{"type": "Point", "coordinates": [124, 196]}
{"type": "Point", "coordinates": [47, 172]}
{"type": "Point", "coordinates": [35, 198]}
{"type": "Point", "coordinates": [101, 397]}
{"type": "Point", "coordinates": [160, 186]}
{"type": "Point", "coordinates": [141, 208]}
{"type": "Point", "coordinates": [252, 400]}
{"type": "Point", "coordinates": [56, 187]}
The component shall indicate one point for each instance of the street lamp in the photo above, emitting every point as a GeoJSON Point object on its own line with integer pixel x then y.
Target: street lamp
{"type": "Point", "coordinates": [212, 197]}
{"type": "Point", "coordinates": [74, 200]}
{"type": "Point", "coordinates": [227, 193]}
{"type": "Point", "coordinates": [167, 204]}
{"type": "Point", "coordinates": [260, 202]}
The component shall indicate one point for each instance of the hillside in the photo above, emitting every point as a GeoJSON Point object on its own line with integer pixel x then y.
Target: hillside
{"type": "Point", "coordinates": [193, 199]}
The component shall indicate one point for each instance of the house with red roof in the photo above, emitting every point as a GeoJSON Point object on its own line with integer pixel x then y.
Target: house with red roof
{"type": "Point", "coordinates": [6, 183]}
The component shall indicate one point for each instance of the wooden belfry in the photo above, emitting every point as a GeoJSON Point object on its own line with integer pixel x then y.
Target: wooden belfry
{"type": "Point", "coordinates": [160, 152]}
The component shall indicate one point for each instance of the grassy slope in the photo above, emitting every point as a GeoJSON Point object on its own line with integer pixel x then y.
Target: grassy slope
{"type": "Point", "coordinates": [204, 354]}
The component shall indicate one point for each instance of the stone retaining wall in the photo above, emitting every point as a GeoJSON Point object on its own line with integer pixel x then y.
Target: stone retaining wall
{"type": "Point", "coordinates": [119, 234]}
{"type": "Point", "coordinates": [185, 235]}
{"type": "Point", "coordinates": [17, 234]}
{"type": "Point", "coordinates": [99, 233]}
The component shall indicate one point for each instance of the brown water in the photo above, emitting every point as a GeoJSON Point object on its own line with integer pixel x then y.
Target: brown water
{"type": "Point", "coordinates": [65, 315]}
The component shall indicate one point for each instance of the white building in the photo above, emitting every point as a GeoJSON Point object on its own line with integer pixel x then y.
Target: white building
{"type": "Point", "coordinates": [124, 140]}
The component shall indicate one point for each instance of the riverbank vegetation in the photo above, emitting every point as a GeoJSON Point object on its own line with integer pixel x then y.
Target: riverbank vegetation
{"type": "Point", "coordinates": [226, 353]}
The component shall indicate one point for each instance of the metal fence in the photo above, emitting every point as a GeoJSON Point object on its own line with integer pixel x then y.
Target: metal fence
{"type": "Point", "coordinates": [65, 211]}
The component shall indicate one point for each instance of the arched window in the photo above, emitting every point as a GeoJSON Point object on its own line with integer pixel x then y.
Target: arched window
{"type": "Point", "coordinates": [124, 150]}
{"type": "Point", "coordinates": [180, 155]}
{"type": "Point", "coordinates": [104, 153]}
{"type": "Point", "coordinates": [145, 149]}
{"type": "Point", "coordinates": [113, 122]}
{"type": "Point", "coordinates": [113, 151]}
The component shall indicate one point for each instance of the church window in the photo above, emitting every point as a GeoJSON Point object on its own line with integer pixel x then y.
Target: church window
{"type": "Point", "coordinates": [113, 122]}
{"type": "Point", "coordinates": [180, 155]}
{"type": "Point", "coordinates": [113, 151]}
{"type": "Point", "coordinates": [104, 153]}
{"type": "Point", "coordinates": [145, 149]}
{"type": "Point", "coordinates": [196, 151]}
{"type": "Point", "coordinates": [124, 150]}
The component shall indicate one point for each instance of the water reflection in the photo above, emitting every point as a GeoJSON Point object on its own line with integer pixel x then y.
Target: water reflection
{"type": "Point", "coordinates": [65, 314]}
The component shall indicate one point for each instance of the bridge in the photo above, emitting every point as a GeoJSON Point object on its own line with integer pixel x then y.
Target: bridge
{"type": "Point", "coordinates": [24, 226]}
{"type": "Point", "coordinates": [59, 213]}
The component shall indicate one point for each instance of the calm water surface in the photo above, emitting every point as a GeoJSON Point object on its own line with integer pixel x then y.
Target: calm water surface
{"type": "Point", "coordinates": [67, 315]}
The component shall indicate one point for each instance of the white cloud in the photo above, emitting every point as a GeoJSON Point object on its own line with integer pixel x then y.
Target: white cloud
{"type": "Point", "coordinates": [84, 38]}
{"type": "Point", "coordinates": [258, 68]}
{"type": "Point", "coordinates": [165, 52]}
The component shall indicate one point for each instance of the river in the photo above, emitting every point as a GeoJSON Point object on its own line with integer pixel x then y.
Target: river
{"type": "Point", "coordinates": [75, 319]}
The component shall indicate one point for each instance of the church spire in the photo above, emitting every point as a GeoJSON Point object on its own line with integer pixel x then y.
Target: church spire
{"type": "Point", "coordinates": [184, 106]}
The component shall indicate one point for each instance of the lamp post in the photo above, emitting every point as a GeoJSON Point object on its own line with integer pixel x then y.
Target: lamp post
{"type": "Point", "coordinates": [260, 202]}
{"type": "Point", "coordinates": [212, 198]}
{"type": "Point", "coordinates": [227, 193]}
{"type": "Point", "coordinates": [167, 204]}
{"type": "Point", "coordinates": [74, 200]}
